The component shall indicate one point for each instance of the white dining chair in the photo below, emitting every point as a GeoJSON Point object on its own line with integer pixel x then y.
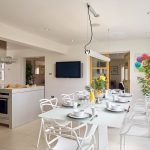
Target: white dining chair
{"type": "Point", "coordinates": [80, 94]}
{"type": "Point", "coordinates": [135, 124]}
{"type": "Point", "coordinates": [140, 107]}
{"type": "Point", "coordinates": [134, 129]}
{"type": "Point", "coordinates": [47, 105]}
{"type": "Point", "coordinates": [68, 97]}
{"type": "Point", "coordinates": [65, 141]}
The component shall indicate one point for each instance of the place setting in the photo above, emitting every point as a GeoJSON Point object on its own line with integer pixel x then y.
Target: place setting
{"type": "Point", "coordinates": [70, 104]}
{"type": "Point", "coordinates": [83, 113]}
{"type": "Point", "coordinates": [118, 99]}
{"type": "Point", "coordinates": [79, 114]}
{"type": "Point", "coordinates": [114, 107]}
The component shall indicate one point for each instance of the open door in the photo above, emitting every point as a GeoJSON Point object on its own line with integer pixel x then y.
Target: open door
{"type": "Point", "coordinates": [127, 72]}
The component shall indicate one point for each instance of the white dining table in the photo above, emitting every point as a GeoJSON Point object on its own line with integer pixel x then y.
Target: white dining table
{"type": "Point", "coordinates": [103, 120]}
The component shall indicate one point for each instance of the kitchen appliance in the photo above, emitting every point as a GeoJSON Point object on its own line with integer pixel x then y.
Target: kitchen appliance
{"type": "Point", "coordinates": [4, 97]}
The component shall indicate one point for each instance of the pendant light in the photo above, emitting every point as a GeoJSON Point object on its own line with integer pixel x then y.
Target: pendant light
{"type": "Point", "coordinates": [86, 50]}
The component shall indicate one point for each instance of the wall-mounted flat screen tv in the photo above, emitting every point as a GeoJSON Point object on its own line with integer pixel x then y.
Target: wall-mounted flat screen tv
{"type": "Point", "coordinates": [69, 69]}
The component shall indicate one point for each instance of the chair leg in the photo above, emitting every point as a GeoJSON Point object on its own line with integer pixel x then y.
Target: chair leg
{"type": "Point", "coordinates": [122, 142]}
{"type": "Point", "coordinates": [91, 147]}
{"type": "Point", "coordinates": [37, 146]}
{"type": "Point", "coordinates": [71, 127]}
{"type": "Point", "coordinates": [47, 148]}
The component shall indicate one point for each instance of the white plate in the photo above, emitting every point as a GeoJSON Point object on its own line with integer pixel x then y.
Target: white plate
{"type": "Point", "coordinates": [125, 95]}
{"type": "Point", "coordinates": [122, 100]}
{"type": "Point", "coordinates": [86, 115]}
{"type": "Point", "coordinates": [68, 105]}
{"type": "Point", "coordinates": [117, 109]}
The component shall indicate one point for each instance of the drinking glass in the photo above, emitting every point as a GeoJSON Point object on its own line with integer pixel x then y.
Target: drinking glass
{"type": "Point", "coordinates": [75, 105]}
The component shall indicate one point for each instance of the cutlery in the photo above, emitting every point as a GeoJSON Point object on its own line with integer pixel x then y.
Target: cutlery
{"type": "Point", "coordinates": [94, 116]}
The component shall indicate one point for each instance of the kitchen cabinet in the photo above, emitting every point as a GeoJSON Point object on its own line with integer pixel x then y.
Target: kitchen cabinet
{"type": "Point", "coordinates": [22, 105]}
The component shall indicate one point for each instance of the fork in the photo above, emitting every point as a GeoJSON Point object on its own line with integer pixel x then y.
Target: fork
{"type": "Point", "coordinates": [94, 116]}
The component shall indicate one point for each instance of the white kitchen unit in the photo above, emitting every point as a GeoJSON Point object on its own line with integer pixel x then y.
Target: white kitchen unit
{"type": "Point", "coordinates": [20, 105]}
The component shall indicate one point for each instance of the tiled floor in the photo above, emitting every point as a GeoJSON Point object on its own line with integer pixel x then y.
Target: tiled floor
{"type": "Point", "coordinates": [25, 138]}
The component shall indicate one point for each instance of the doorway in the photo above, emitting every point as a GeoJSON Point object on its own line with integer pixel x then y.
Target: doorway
{"type": "Point", "coordinates": [120, 71]}
{"type": "Point", "coordinates": [35, 71]}
{"type": "Point", "coordinates": [117, 71]}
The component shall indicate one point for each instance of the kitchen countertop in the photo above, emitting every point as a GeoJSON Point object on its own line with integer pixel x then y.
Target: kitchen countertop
{"type": "Point", "coordinates": [20, 90]}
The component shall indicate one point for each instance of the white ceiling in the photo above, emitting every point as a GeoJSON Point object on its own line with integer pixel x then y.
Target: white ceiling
{"type": "Point", "coordinates": [65, 21]}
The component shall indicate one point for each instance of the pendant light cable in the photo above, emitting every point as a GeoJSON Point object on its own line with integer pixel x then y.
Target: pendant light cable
{"type": "Point", "coordinates": [91, 29]}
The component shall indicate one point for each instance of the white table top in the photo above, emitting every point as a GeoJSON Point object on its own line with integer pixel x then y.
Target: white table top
{"type": "Point", "coordinates": [105, 117]}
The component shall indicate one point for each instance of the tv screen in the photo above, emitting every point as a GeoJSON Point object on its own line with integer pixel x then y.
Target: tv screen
{"type": "Point", "coordinates": [70, 69]}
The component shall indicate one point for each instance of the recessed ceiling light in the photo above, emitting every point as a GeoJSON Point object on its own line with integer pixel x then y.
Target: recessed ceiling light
{"type": "Point", "coordinates": [72, 41]}
{"type": "Point", "coordinates": [148, 13]}
{"type": "Point", "coordinates": [46, 29]}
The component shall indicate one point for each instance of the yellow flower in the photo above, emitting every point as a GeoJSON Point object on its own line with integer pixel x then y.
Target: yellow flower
{"type": "Point", "coordinates": [103, 78]}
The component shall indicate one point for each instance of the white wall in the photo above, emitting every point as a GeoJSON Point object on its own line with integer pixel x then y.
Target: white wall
{"type": "Point", "coordinates": [57, 86]}
{"type": "Point", "coordinates": [53, 86]}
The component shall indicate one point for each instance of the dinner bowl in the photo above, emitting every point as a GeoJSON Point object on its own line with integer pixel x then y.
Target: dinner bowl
{"type": "Point", "coordinates": [69, 103]}
{"type": "Point", "coordinates": [78, 113]}
{"type": "Point", "coordinates": [112, 106]}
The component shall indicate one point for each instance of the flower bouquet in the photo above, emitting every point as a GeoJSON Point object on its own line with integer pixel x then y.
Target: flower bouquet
{"type": "Point", "coordinates": [98, 85]}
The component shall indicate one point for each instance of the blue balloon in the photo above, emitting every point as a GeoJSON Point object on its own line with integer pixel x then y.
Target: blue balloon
{"type": "Point", "coordinates": [137, 65]}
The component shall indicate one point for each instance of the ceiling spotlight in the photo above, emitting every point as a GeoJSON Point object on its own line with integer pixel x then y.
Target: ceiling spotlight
{"type": "Point", "coordinates": [46, 29]}
{"type": "Point", "coordinates": [92, 10]}
{"type": "Point", "coordinates": [148, 13]}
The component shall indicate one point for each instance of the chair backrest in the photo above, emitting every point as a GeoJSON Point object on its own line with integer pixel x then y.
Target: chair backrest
{"type": "Point", "coordinates": [48, 104]}
{"type": "Point", "coordinates": [87, 135]}
{"type": "Point", "coordinates": [81, 94]}
{"type": "Point", "coordinates": [67, 97]}
{"type": "Point", "coordinates": [140, 119]}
